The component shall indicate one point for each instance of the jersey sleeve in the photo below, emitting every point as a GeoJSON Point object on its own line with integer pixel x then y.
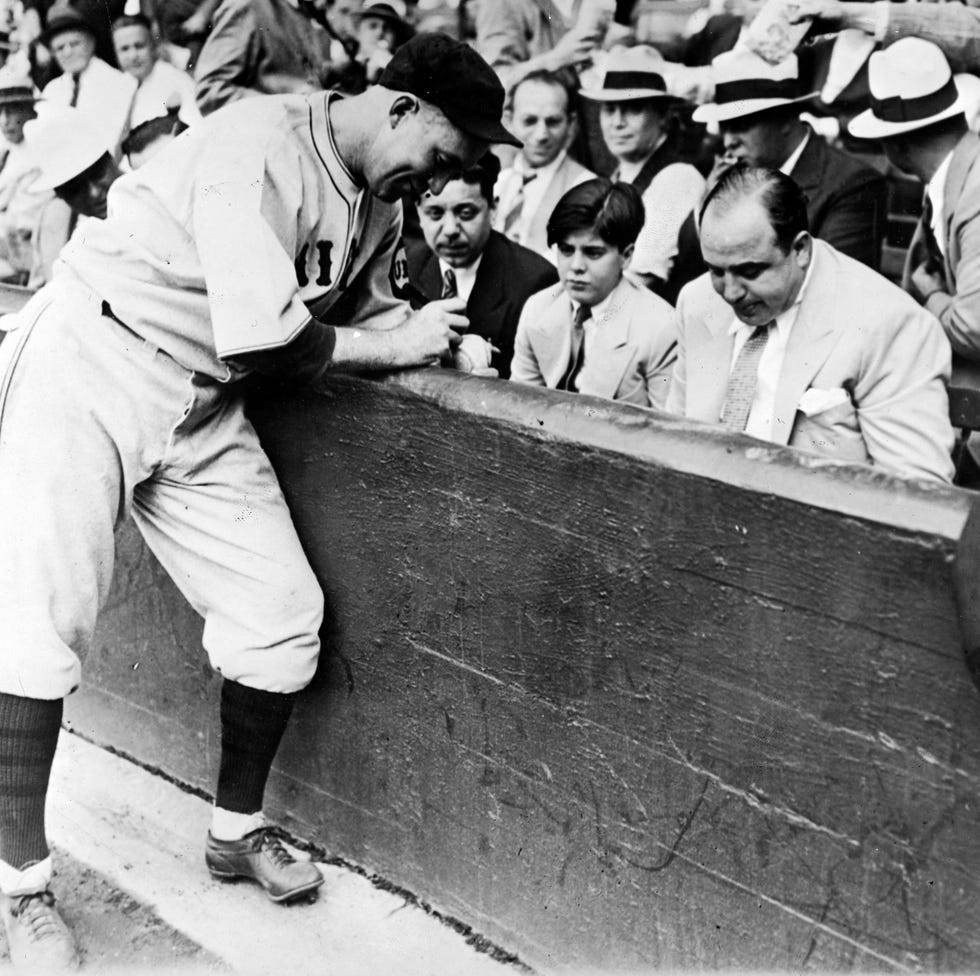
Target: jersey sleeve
{"type": "Point", "coordinates": [245, 223]}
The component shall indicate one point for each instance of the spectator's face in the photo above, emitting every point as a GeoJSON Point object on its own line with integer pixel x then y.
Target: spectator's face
{"type": "Point", "coordinates": [73, 49]}
{"type": "Point", "coordinates": [419, 150]}
{"type": "Point", "coordinates": [456, 223]}
{"type": "Point", "coordinates": [375, 32]}
{"type": "Point", "coordinates": [86, 194]}
{"type": "Point", "coordinates": [539, 118]}
{"type": "Point", "coordinates": [746, 265]}
{"type": "Point", "coordinates": [631, 129]}
{"type": "Point", "coordinates": [588, 267]}
{"type": "Point", "coordinates": [12, 119]}
{"type": "Point", "coordinates": [134, 50]}
{"type": "Point", "coordinates": [340, 14]}
{"type": "Point", "coordinates": [755, 140]}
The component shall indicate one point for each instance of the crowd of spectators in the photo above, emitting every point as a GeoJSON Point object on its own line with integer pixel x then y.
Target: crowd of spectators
{"type": "Point", "coordinates": [694, 226]}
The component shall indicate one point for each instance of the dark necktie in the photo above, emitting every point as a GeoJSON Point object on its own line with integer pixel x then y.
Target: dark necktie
{"type": "Point", "coordinates": [933, 250]}
{"type": "Point", "coordinates": [74, 91]}
{"type": "Point", "coordinates": [576, 359]}
{"type": "Point", "coordinates": [449, 289]}
{"type": "Point", "coordinates": [516, 207]}
{"type": "Point", "coordinates": [743, 380]}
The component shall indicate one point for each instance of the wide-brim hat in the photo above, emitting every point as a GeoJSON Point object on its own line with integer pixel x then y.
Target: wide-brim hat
{"type": "Point", "coordinates": [392, 13]}
{"type": "Point", "coordinates": [911, 86]}
{"type": "Point", "coordinates": [23, 94]}
{"type": "Point", "coordinates": [63, 145]}
{"type": "Point", "coordinates": [630, 74]}
{"type": "Point", "coordinates": [63, 17]}
{"type": "Point", "coordinates": [746, 84]}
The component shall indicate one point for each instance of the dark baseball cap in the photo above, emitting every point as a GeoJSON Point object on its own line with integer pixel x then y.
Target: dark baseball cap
{"type": "Point", "coordinates": [453, 77]}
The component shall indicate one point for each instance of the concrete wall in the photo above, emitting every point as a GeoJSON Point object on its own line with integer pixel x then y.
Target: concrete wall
{"type": "Point", "coordinates": [614, 689]}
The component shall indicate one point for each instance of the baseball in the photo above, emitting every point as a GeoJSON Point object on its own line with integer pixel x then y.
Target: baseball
{"type": "Point", "coordinates": [472, 353]}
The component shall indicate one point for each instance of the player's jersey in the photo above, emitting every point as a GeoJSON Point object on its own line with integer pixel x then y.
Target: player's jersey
{"type": "Point", "coordinates": [217, 246]}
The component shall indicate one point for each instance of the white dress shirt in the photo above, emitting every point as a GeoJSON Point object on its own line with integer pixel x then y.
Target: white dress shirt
{"type": "Point", "coordinates": [165, 85]}
{"type": "Point", "coordinates": [762, 412]}
{"type": "Point", "coordinates": [936, 189]}
{"type": "Point", "coordinates": [465, 277]}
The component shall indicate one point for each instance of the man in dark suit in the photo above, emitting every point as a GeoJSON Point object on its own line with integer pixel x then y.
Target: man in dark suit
{"type": "Point", "coordinates": [464, 257]}
{"type": "Point", "coordinates": [757, 107]}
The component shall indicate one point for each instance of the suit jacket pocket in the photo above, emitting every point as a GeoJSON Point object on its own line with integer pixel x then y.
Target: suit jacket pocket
{"type": "Point", "coordinates": [835, 433]}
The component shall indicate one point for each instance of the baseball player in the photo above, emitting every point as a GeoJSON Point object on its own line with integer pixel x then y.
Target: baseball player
{"type": "Point", "coordinates": [266, 238]}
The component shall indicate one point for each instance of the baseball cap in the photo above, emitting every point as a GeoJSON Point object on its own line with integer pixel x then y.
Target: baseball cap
{"type": "Point", "coordinates": [451, 76]}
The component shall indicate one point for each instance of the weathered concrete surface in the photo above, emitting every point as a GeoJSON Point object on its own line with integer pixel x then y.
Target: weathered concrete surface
{"type": "Point", "coordinates": [160, 913]}
{"type": "Point", "coordinates": [612, 689]}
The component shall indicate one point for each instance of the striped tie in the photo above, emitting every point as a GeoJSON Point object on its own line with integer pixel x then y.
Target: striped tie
{"type": "Point", "coordinates": [449, 289]}
{"type": "Point", "coordinates": [577, 358]}
{"type": "Point", "coordinates": [743, 380]}
{"type": "Point", "coordinates": [513, 215]}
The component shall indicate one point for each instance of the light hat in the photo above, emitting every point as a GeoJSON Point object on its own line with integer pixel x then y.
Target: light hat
{"type": "Point", "coordinates": [630, 74]}
{"type": "Point", "coordinates": [746, 84]}
{"type": "Point", "coordinates": [63, 144]}
{"type": "Point", "coordinates": [911, 87]}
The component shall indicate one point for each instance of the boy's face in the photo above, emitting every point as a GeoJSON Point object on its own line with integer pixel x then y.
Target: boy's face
{"type": "Point", "coordinates": [588, 267]}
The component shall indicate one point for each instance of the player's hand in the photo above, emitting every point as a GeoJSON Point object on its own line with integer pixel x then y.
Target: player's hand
{"type": "Point", "coordinates": [926, 281]}
{"type": "Point", "coordinates": [429, 335]}
{"type": "Point", "coordinates": [829, 14]}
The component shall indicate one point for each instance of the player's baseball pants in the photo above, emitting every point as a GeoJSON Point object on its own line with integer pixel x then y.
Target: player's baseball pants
{"type": "Point", "coordinates": [95, 423]}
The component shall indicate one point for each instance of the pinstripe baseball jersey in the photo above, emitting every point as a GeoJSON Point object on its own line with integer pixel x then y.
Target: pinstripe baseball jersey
{"type": "Point", "coordinates": [237, 232]}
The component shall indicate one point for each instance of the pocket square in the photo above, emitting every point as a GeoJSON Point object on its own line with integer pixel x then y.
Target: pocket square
{"type": "Point", "coordinates": [816, 401]}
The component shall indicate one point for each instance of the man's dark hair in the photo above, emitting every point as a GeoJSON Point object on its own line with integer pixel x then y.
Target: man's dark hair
{"type": "Point", "coordinates": [132, 20]}
{"type": "Point", "coordinates": [484, 175]}
{"type": "Point", "coordinates": [784, 201]}
{"type": "Point", "coordinates": [557, 79]}
{"type": "Point", "coordinates": [151, 130]}
{"type": "Point", "coordinates": [613, 210]}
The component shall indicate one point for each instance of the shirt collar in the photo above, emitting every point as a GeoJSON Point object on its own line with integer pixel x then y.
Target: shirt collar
{"type": "Point", "coordinates": [936, 187]}
{"type": "Point", "coordinates": [521, 166]}
{"type": "Point", "coordinates": [794, 156]}
{"type": "Point", "coordinates": [600, 309]}
{"type": "Point", "coordinates": [467, 271]}
{"type": "Point", "coordinates": [787, 317]}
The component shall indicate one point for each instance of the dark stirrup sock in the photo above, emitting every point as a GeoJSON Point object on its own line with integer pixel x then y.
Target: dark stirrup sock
{"type": "Point", "coordinates": [252, 724]}
{"type": "Point", "coordinates": [28, 736]}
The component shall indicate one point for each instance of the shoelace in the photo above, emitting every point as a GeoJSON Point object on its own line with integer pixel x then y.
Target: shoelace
{"type": "Point", "coordinates": [33, 910]}
{"type": "Point", "coordinates": [271, 843]}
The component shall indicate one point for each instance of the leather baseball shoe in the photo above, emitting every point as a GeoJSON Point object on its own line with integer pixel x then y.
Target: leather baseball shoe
{"type": "Point", "coordinates": [260, 856]}
{"type": "Point", "coordinates": [37, 937]}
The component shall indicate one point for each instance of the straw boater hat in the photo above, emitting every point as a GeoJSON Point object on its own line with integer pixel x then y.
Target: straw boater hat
{"type": "Point", "coordinates": [746, 84]}
{"type": "Point", "coordinates": [20, 94]}
{"type": "Point", "coordinates": [630, 74]}
{"type": "Point", "coordinates": [64, 145]}
{"type": "Point", "coordinates": [911, 87]}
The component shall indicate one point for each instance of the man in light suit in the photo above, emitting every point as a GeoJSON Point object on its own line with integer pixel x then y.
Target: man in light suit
{"type": "Point", "coordinates": [918, 116]}
{"type": "Point", "coordinates": [791, 341]}
{"type": "Point", "coordinates": [542, 114]}
{"type": "Point", "coordinates": [597, 332]}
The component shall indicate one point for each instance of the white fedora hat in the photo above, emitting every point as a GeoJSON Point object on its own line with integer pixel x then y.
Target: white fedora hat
{"type": "Point", "coordinates": [630, 74]}
{"type": "Point", "coordinates": [63, 143]}
{"type": "Point", "coordinates": [911, 87]}
{"type": "Point", "coordinates": [746, 84]}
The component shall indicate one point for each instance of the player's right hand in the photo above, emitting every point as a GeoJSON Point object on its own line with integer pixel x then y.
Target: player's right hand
{"type": "Point", "coordinates": [430, 334]}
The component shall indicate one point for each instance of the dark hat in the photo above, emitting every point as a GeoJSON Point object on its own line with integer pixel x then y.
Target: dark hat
{"type": "Point", "coordinates": [392, 13]}
{"type": "Point", "coordinates": [17, 95]}
{"type": "Point", "coordinates": [451, 76]}
{"type": "Point", "coordinates": [64, 17]}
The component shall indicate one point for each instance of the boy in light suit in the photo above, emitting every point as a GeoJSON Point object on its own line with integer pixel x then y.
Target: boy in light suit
{"type": "Point", "coordinates": [597, 331]}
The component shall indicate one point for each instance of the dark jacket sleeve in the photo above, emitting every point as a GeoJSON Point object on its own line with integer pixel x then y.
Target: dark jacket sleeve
{"type": "Point", "coordinates": [854, 219]}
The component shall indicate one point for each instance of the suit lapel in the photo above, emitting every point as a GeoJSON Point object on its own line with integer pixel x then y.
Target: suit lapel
{"type": "Point", "coordinates": [964, 158]}
{"type": "Point", "coordinates": [552, 339]}
{"type": "Point", "coordinates": [538, 232]}
{"type": "Point", "coordinates": [611, 353]}
{"type": "Point", "coordinates": [709, 356]}
{"type": "Point", "coordinates": [489, 288]}
{"type": "Point", "coordinates": [813, 337]}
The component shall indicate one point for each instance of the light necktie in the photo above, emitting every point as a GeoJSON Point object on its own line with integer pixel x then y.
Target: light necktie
{"type": "Point", "coordinates": [743, 380]}
{"type": "Point", "coordinates": [516, 207]}
{"type": "Point", "coordinates": [576, 359]}
{"type": "Point", "coordinates": [449, 289]}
